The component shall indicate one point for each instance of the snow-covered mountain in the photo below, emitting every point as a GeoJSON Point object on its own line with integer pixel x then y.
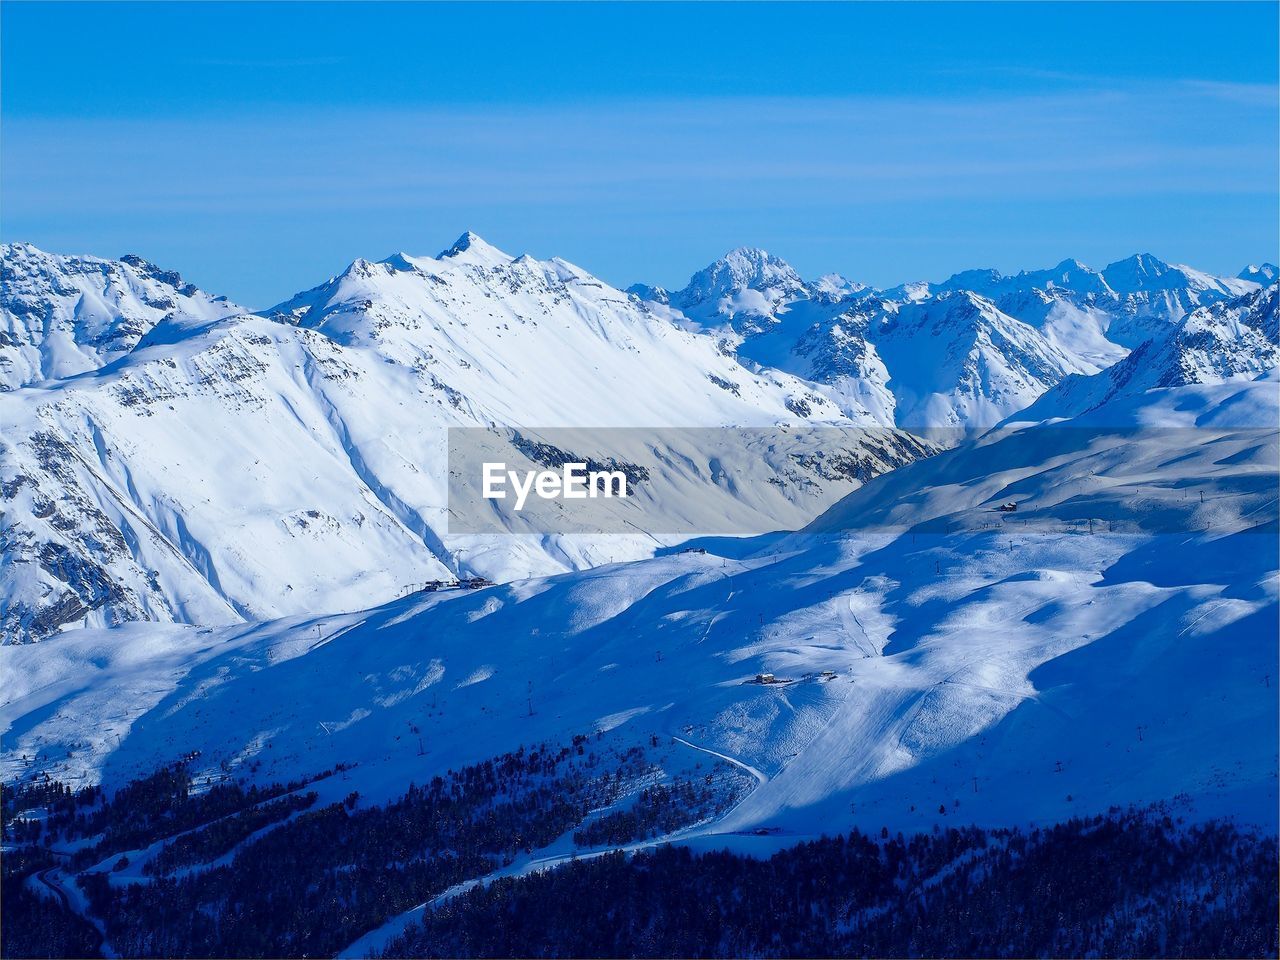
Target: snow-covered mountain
{"type": "Point", "coordinates": [952, 361]}
{"type": "Point", "coordinates": [921, 655]}
{"type": "Point", "coordinates": [1227, 340]}
{"type": "Point", "coordinates": [995, 342]}
{"type": "Point", "coordinates": [742, 290]}
{"type": "Point", "coordinates": [64, 315]}
{"type": "Point", "coordinates": [169, 457]}
{"type": "Point", "coordinates": [249, 467]}
{"type": "Point", "coordinates": [1265, 273]}
{"type": "Point", "coordinates": [1069, 275]}
{"type": "Point", "coordinates": [1141, 273]}
{"type": "Point", "coordinates": [933, 658]}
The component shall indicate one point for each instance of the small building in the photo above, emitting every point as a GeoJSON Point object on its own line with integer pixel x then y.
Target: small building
{"type": "Point", "coordinates": [765, 678]}
{"type": "Point", "coordinates": [474, 583]}
{"type": "Point", "coordinates": [1009, 507]}
{"type": "Point", "coordinates": [827, 675]}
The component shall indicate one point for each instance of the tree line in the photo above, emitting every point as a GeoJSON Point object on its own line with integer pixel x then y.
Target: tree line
{"type": "Point", "coordinates": [1134, 883]}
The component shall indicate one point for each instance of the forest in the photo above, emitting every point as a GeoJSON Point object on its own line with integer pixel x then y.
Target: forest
{"type": "Point", "coordinates": [229, 869]}
{"type": "Point", "coordinates": [171, 865]}
{"type": "Point", "coordinates": [1134, 883]}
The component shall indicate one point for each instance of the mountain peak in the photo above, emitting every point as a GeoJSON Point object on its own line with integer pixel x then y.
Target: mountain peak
{"type": "Point", "coordinates": [400, 262]}
{"type": "Point", "coordinates": [63, 315]}
{"type": "Point", "coordinates": [20, 248]}
{"type": "Point", "coordinates": [170, 277]}
{"type": "Point", "coordinates": [743, 268]}
{"type": "Point", "coordinates": [473, 249]}
{"type": "Point", "coordinates": [651, 292]}
{"type": "Point", "coordinates": [1070, 265]}
{"type": "Point", "coordinates": [1263, 273]}
{"type": "Point", "coordinates": [1148, 261]}
{"type": "Point", "coordinates": [1142, 271]}
{"type": "Point", "coordinates": [749, 255]}
{"type": "Point", "coordinates": [1140, 264]}
{"type": "Point", "coordinates": [980, 279]}
{"type": "Point", "coordinates": [838, 285]}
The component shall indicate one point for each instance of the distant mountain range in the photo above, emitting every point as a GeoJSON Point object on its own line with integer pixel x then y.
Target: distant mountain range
{"type": "Point", "coordinates": [991, 343]}
{"type": "Point", "coordinates": [167, 455]}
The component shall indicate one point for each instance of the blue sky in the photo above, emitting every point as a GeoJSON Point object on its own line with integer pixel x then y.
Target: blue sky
{"type": "Point", "coordinates": [259, 148]}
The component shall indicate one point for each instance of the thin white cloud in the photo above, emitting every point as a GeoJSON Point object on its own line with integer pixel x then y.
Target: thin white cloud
{"type": "Point", "coordinates": [1055, 146]}
{"type": "Point", "coordinates": [736, 169]}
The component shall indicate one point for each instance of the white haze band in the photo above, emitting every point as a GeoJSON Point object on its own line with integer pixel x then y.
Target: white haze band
{"type": "Point", "coordinates": [573, 482]}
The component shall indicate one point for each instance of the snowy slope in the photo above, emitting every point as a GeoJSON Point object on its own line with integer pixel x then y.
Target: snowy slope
{"type": "Point", "coordinates": [254, 467]}
{"type": "Point", "coordinates": [957, 361]}
{"type": "Point", "coordinates": [1228, 340]}
{"type": "Point", "coordinates": [63, 315]}
{"type": "Point", "coordinates": [1113, 642]}
{"type": "Point", "coordinates": [953, 361]}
